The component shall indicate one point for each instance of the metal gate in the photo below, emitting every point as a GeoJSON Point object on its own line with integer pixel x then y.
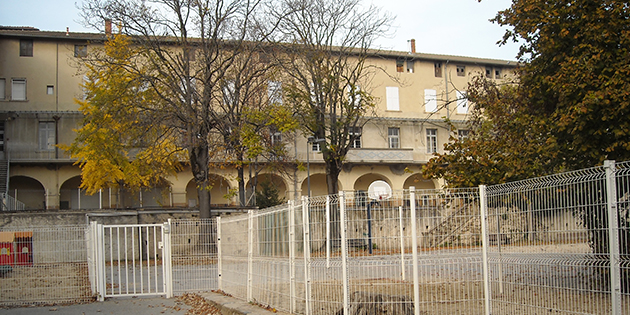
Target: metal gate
{"type": "Point", "coordinates": [130, 260]}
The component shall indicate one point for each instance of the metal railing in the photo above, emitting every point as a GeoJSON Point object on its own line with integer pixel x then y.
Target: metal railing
{"type": "Point", "coordinates": [8, 203]}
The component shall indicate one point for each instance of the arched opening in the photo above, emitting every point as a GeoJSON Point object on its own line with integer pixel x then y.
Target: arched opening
{"type": "Point", "coordinates": [28, 191]}
{"type": "Point", "coordinates": [361, 186]}
{"type": "Point", "coordinates": [318, 186]}
{"type": "Point", "coordinates": [419, 182]}
{"type": "Point", "coordinates": [220, 189]}
{"type": "Point", "coordinates": [362, 183]}
{"type": "Point", "coordinates": [72, 197]}
{"type": "Point", "coordinates": [273, 179]}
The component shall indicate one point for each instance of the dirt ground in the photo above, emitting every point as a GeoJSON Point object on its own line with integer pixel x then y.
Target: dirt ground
{"type": "Point", "coordinates": [46, 284]}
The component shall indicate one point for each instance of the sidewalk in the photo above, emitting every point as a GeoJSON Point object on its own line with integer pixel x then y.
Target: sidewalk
{"type": "Point", "coordinates": [143, 306]}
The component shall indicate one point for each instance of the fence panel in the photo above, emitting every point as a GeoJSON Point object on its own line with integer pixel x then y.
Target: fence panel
{"type": "Point", "coordinates": [194, 255]}
{"type": "Point", "coordinates": [234, 255]}
{"type": "Point", "coordinates": [548, 245]}
{"type": "Point", "coordinates": [44, 265]}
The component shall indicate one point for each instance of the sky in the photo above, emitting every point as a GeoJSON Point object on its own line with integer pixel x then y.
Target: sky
{"type": "Point", "coordinates": [447, 27]}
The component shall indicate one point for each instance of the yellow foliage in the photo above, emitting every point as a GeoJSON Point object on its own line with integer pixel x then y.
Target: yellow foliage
{"type": "Point", "coordinates": [118, 143]}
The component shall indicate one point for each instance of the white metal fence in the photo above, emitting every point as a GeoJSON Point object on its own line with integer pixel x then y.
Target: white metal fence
{"type": "Point", "coordinates": [557, 244]}
{"type": "Point", "coordinates": [41, 265]}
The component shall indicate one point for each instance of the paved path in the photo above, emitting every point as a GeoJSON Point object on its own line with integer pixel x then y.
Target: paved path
{"type": "Point", "coordinates": [136, 306]}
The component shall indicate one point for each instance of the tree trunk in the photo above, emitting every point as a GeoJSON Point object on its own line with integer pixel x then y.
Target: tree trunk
{"type": "Point", "coordinates": [199, 159]}
{"type": "Point", "coordinates": [241, 186]}
{"type": "Point", "coordinates": [332, 182]}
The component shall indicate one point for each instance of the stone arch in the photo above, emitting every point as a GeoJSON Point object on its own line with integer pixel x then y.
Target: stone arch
{"type": "Point", "coordinates": [71, 197]}
{"type": "Point", "coordinates": [363, 182]}
{"type": "Point", "coordinates": [419, 182]}
{"type": "Point", "coordinates": [276, 180]}
{"type": "Point", "coordinates": [220, 188]}
{"type": "Point", "coordinates": [28, 190]}
{"type": "Point", "coordinates": [318, 185]}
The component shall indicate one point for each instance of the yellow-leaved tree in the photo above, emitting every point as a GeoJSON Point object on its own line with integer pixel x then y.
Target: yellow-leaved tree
{"type": "Point", "coordinates": [121, 142]}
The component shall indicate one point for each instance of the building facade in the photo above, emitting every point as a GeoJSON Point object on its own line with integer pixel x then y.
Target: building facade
{"type": "Point", "coordinates": [40, 78]}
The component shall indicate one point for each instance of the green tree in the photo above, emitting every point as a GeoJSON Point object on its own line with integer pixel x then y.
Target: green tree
{"type": "Point", "coordinates": [506, 142]}
{"type": "Point", "coordinates": [576, 72]}
{"type": "Point", "coordinates": [268, 195]}
{"type": "Point", "coordinates": [568, 111]}
{"type": "Point", "coordinates": [569, 105]}
{"type": "Point", "coordinates": [111, 145]}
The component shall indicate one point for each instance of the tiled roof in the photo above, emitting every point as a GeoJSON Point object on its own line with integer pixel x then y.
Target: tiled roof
{"type": "Point", "coordinates": [27, 31]}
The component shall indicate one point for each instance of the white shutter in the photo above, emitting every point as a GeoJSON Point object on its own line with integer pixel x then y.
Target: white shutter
{"type": "Point", "coordinates": [3, 83]}
{"type": "Point", "coordinates": [392, 98]}
{"type": "Point", "coordinates": [430, 100]}
{"type": "Point", "coordinates": [274, 92]}
{"type": "Point", "coordinates": [18, 90]}
{"type": "Point", "coordinates": [462, 103]}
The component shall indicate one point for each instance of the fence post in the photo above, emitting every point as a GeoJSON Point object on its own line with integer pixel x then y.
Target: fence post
{"type": "Point", "coordinates": [483, 205]}
{"type": "Point", "coordinates": [167, 264]}
{"type": "Point", "coordinates": [344, 254]}
{"type": "Point", "coordinates": [219, 256]}
{"type": "Point", "coordinates": [292, 256]}
{"type": "Point", "coordinates": [613, 236]}
{"type": "Point", "coordinates": [250, 253]}
{"type": "Point", "coordinates": [306, 202]}
{"type": "Point", "coordinates": [402, 243]}
{"type": "Point", "coordinates": [92, 258]}
{"type": "Point", "coordinates": [414, 250]}
{"type": "Point", "coordinates": [327, 231]}
{"type": "Point", "coordinates": [100, 262]}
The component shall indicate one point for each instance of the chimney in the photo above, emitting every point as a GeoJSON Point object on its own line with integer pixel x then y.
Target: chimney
{"type": "Point", "coordinates": [413, 46]}
{"type": "Point", "coordinates": [108, 27]}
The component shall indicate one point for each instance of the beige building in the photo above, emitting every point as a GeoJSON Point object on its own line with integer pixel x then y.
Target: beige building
{"type": "Point", "coordinates": [39, 80]}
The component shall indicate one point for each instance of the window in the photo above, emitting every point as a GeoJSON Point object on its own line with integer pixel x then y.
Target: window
{"type": "Point", "coordinates": [276, 136]}
{"type": "Point", "coordinates": [393, 136]}
{"type": "Point", "coordinates": [229, 90]}
{"type": "Point", "coordinates": [461, 71]}
{"type": "Point", "coordinates": [1, 135]}
{"type": "Point", "coordinates": [497, 73]}
{"type": "Point", "coordinates": [50, 90]}
{"type": "Point", "coordinates": [488, 72]}
{"type": "Point", "coordinates": [354, 97]}
{"type": "Point", "coordinates": [3, 94]}
{"type": "Point", "coordinates": [462, 103]}
{"type": "Point", "coordinates": [80, 51]}
{"type": "Point", "coordinates": [462, 133]}
{"type": "Point", "coordinates": [355, 132]}
{"type": "Point", "coordinates": [18, 89]}
{"type": "Point", "coordinates": [430, 100]}
{"type": "Point", "coordinates": [438, 69]}
{"type": "Point", "coordinates": [192, 53]}
{"type": "Point", "coordinates": [399, 65]}
{"type": "Point", "coordinates": [46, 135]}
{"type": "Point", "coordinates": [26, 47]}
{"type": "Point", "coordinates": [392, 98]}
{"type": "Point", "coordinates": [431, 140]}
{"type": "Point", "coordinates": [316, 147]}
{"type": "Point", "coordinates": [274, 92]}
{"type": "Point", "coordinates": [410, 64]}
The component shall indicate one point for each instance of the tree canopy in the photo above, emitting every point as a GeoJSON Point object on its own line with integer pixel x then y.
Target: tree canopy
{"type": "Point", "coordinates": [111, 146]}
{"type": "Point", "coordinates": [569, 106]}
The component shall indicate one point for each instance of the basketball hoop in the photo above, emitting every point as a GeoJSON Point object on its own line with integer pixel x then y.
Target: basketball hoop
{"type": "Point", "coordinates": [379, 190]}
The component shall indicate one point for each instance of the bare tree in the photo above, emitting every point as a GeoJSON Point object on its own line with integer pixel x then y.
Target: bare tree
{"type": "Point", "coordinates": [188, 46]}
{"type": "Point", "coordinates": [329, 42]}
